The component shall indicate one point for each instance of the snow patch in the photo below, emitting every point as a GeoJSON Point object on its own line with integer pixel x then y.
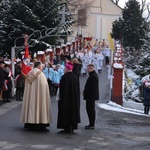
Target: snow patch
{"type": "Point", "coordinates": [118, 65]}
{"type": "Point", "coordinates": [118, 108]}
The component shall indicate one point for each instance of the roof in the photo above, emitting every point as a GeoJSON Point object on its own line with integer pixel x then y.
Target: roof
{"type": "Point", "coordinates": [116, 4]}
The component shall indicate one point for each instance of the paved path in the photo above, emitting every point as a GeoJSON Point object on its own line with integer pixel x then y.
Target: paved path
{"type": "Point", "coordinates": [114, 130]}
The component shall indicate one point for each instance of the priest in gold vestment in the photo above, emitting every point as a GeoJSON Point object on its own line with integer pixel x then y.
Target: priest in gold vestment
{"type": "Point", "coordinates": [36, 107]}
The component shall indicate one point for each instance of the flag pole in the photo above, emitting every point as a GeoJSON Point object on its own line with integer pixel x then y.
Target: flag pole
{"type": "Point", "coordinates": [25, 62]}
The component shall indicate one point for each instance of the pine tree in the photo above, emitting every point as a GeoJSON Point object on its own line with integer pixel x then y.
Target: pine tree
{"type": "Point", "coordinates": [131, 30]}
{"type": "Point", "coordinates": [20, 17]}
{"type": "Point", "coordinates": [132, 26]}
{"type": "Point", "coordinates": [117, 29]}
{"type": "Point", "coordinates": [143, 67]}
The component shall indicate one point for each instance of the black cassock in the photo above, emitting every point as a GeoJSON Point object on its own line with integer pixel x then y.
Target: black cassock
{"type": "Point", "coordinates": [69, 102]}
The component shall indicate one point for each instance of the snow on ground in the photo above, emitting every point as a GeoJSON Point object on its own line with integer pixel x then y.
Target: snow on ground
{"type": "Point", "coordinates": [128, 107]}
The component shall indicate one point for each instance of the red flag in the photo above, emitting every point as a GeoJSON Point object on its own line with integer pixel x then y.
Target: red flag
{"type": "Point", "coordinates": [25, 62]}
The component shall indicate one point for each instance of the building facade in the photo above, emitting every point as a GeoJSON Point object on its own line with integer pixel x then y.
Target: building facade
{"type": "Point", "coordinates": [97, 18]}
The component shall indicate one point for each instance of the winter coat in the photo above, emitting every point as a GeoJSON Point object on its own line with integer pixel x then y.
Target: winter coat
{"type": "Point", "coordinates": [19, 81]}
{"type": "Point", "coordinates": [91, 89]}
{"type": "Point", "coordinates": [77, 70]}
{"type": "Point", "coordinates": [2, 78]}
{"type": "Point", "coordinates": [68, 105]}
{"type": "Point", "coordinates": [146, 100]}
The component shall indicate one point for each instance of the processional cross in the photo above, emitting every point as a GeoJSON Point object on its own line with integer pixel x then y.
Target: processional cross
{"type": "Point", "coordinates": [63, 12]}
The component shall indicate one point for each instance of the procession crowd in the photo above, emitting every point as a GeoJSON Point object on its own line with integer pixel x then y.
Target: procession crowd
{"type": "Point", "coordinates": [57, 77]}
{"type": "Point", "coordinates": [60, 78]}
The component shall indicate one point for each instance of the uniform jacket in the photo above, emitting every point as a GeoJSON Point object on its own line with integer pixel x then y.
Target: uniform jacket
{"type": "Point", "coordinates": [19, 79]}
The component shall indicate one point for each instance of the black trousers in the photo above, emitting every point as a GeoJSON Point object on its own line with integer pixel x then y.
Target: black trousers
{"type": "Point", "coordinates": [50, 85]}
{"type": "Point", "coordinates": [146, 109]}
{"type": "Point", "coordinates": [107, 60]}
{"type": "Point", "coordinates": [6, 95]}
{"type": "Point", "coordinates": [18, 93]}
{"type": "Point", "coordinates": [90, 108]}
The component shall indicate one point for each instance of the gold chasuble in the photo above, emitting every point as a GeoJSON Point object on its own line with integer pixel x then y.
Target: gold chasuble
{"type": "Point", "coordinates": [36, 107]}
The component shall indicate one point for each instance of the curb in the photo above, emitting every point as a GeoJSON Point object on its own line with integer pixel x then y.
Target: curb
{"type": "Point", "coordinates": [5, 107]}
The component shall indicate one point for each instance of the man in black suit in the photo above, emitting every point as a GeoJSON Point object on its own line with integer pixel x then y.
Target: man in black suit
{"type": "Point", "coordinates": [91, 94]}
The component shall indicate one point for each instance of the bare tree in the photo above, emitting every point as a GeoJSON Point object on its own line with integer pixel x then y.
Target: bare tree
{"type": "Point", "coordinates": [115, 1]}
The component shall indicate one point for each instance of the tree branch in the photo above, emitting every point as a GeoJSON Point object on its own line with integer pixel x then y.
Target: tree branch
{"type": "Point", "coordinates": [115, 1]}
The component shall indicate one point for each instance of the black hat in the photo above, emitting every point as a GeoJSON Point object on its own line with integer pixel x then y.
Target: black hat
{"type": "Point", "coordinates": [2, 62]}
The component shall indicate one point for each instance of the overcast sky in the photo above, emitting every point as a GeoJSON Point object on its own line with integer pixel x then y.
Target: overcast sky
{"type": "Point", "coordinates": [122, 2]}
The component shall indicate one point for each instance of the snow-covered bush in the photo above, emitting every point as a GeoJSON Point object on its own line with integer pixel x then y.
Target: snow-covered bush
{"type": "Point", "coordinates": [132, 86]}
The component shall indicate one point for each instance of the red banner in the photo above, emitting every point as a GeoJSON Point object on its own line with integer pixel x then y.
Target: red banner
{"type": "Point", "coordinates": [25, 62]}
{"type": "Point", "coordinates": [87, 42]}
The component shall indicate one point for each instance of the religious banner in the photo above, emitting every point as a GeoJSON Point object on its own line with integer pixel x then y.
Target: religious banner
{"type": "Point", "coordinates": [87, 42]}
{"type": "Point", "coordinates": [26, 61]}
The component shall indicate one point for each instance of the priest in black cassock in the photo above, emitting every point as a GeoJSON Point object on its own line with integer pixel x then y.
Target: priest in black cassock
{"type": "Point", "coordinates": [68, 104]}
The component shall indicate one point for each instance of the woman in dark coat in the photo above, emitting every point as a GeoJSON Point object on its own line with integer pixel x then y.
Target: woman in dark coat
{"type": "Point", "coordinates": [68, 104]}
{"type": "Point", "coordinates": [146, 101]}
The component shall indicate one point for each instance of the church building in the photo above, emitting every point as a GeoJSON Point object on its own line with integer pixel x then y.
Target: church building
{"type": "Point", "coordinates": [96, 19]}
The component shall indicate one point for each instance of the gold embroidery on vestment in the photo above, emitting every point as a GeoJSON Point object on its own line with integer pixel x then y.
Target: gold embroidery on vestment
{"type": "Point", "coordinates": [31, 76]}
